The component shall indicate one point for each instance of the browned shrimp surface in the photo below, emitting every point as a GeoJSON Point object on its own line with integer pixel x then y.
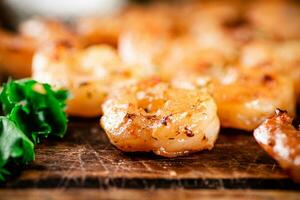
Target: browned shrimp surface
{"type": "Point", "coordinates": [151, 115]}
{"type": "Point", "coordinates": [281, 140]}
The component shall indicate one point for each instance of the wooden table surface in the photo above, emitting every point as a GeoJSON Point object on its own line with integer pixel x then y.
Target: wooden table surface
{"type": "Point", "coordinates": [84, 165]}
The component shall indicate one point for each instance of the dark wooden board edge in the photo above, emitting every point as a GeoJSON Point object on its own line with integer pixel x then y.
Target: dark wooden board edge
{"type": "Point", "coordinates": [158, 183]}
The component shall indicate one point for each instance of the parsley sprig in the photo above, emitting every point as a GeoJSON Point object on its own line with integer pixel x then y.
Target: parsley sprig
{"type": "Point", "coordinates": [32, 111]}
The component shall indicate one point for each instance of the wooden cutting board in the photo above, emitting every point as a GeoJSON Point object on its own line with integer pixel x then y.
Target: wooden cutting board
{"type": "Point", "coordinates": [85, 160]}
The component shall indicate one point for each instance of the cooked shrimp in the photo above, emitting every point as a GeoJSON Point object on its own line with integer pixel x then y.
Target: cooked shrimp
{"type": "Point", "coordinates": [170, 53]}
{"type": "Point", "coordinates": [146, 36]}
{"type": "Point", "coordinates": [89, 74]}
{"type": "Point", "coordinates": [251, 98]}
{"type": "Point", "coordinates": [217, 11]}
{"type": "Point", "coordinates": [177, 40]}
{"type": "Point", "coordinates": [16, 50]}
{"type": "Point", "coordinates": [151, 115]}
{"type": "Point", "coordinates": [16, 54]}
{"type": "Point", "coordinates": [244, 98]}
{"type": "Point", "coordinates": [279, 138]}
{"type": "Point", "coordinates": [271, 56]}
{"type": "Point", "coordinates": [96, 30]}
{"type": "Point", "coordinates": [107, 29]}
{"type": "Point", "coordinates": [281, 19]}
{"type": "Point", "coordinates": [217, 25]}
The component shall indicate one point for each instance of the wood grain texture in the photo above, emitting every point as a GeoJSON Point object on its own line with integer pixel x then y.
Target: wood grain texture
{"type": "Point", "coordinates": [117, 194]}
{"type": "Point", "coordinates": [85, 159]}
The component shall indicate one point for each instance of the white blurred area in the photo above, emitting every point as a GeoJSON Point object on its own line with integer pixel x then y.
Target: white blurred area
{"type": "Point", "coordinates": [64, 9]}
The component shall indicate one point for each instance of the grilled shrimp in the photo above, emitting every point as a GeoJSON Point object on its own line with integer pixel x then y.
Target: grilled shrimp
{"type": "Point", "coordinates": [151, 115]}
{"type": "Point", "coordinates": [16, 54]}
{"type": "Point", "coordinates": [279, 138]}
{"type": "Point", "coordinates": [89, 74]}
{"type": "Point", "coordinates": [247, 101]}
{"type": "Point", "coordinates": [180, 36]}
{"type": "Point", "coordinates": [281, 19]}
{"type": "Point", "coordinates": [143, 29]}
{"type": "Point", "coordinates": [108, 29]}
{"type": "Point", "coordinates": [17, 50]}
{"type": "Point", "coordinates": [272, 56]}
{"type": "Point", "coordinates": [94, 30]}
{"type": "Point", "coordinates": [244, 98]}
{"type": "Point", "coordinates": [170, 52]}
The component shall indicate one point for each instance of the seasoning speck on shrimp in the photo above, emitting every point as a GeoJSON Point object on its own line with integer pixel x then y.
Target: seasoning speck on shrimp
{"type": "Point", "coordinates": [150, 115]}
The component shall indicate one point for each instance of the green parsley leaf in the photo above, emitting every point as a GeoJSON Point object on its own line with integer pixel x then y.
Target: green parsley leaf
{"type": "Point", "coordinates": [14, 146]}
{"type": "Point", "coordinates": [35, 108]}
